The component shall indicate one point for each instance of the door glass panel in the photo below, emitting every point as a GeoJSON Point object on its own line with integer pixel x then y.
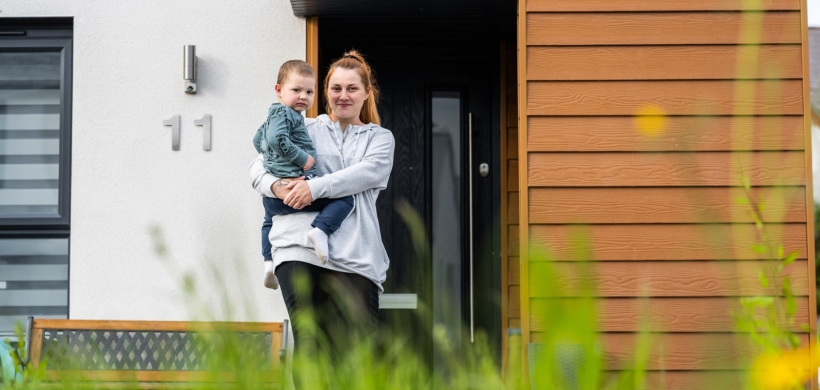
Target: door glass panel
{"type": "Point", "coordinates": [29, 133]}
{"type": "Point", "coordinates": [447, 215]}
{"type": "Point", "coordinates": [33, 280]}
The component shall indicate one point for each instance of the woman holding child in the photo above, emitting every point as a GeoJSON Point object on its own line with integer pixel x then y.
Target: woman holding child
{"type": "Point", "coordinates": [353, 158]}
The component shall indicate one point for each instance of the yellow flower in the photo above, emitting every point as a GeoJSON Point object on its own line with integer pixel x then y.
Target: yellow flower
{"type": "Point", "coordinates": [784, 370]}
{"type": "Point", "coordinates": [650, 120]}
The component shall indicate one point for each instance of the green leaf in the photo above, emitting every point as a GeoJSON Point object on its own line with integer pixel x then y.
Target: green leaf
{"type": "Point", "coordinates": [791, 258]}
{"type": "Point", "coordinates": [747, 184]}
{"type": "Point", "coordinates": [752, 302]}
{"type": "Point", "coordinates": [761, 206]}
{"type": "Point", "coordinates": [780, 251]}
{"type": "Point", "coordinates": [762, 279]}
{"type": "Point", "coordinates": [794, 340]}
{"type": "Point", "coordinates": [741, 200]}
{"type": "Point", "coordinates": [759, 248]}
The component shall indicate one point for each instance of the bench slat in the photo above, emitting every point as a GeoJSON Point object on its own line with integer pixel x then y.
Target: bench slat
{"type": "Point", "coordinates": [170, 326]}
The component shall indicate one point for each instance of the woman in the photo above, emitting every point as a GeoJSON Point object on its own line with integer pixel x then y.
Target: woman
{"type": "Point", "coordinates": [354, 157]}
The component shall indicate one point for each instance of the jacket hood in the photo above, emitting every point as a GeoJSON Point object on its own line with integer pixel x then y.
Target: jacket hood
{"type": "Point", "coordinates": [330, 124]}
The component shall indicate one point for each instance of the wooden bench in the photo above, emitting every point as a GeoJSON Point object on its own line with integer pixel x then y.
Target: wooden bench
{"type": "Point", "coordinates": [157, 354]}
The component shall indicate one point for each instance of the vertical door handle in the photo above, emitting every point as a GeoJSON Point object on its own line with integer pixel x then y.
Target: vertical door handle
{"type": "Point", "coordinates": [470, 202]}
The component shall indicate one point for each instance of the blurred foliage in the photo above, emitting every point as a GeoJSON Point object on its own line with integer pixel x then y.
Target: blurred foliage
{"type": "Point", "coordinates": [769, 319]}
{"type": "Point", "coordinates": [816, 251]}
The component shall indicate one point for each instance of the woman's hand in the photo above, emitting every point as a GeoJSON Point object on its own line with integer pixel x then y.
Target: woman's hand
{"type": "Point", "coordinates": [280, 187]}
{"type": "Point", "coordinates": [299, 195]}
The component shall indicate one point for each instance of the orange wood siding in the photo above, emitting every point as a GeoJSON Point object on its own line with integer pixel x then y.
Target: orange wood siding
{"type": "Point", "coordinates": [511, 316]}
{"type": "Point", "coordinates": [724, 85]}
{"type": "Point", "coordinates": [312, 55]}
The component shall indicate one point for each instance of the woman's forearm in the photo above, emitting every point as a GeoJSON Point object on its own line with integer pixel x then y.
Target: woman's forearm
{"type": "Point", "coordinates": [266, 184]}
{"type": "Point", "coordinates": [261, 180]}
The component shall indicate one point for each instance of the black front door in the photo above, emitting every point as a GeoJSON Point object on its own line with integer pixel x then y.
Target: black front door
{"type": "Point", "coordinates": [440, 98]}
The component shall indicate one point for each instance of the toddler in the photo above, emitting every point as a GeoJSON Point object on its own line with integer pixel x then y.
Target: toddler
{"type": "Point", "coordinates": [288, 152]}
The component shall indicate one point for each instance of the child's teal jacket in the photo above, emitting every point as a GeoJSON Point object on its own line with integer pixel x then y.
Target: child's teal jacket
{"type": "Point", "coordinates": [284, 142]}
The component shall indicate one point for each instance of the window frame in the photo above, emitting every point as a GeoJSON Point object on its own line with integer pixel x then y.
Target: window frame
{"type": "Point", "coordinates": [53, 34]}
{"type": "Point", "coordinates": [36, 38]}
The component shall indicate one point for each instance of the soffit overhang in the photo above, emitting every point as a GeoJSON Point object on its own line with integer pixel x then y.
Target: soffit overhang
{"type": "Point", "coordinates": [402, 7]}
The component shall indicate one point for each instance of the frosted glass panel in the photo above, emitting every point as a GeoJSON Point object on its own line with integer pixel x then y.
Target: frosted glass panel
{"type": "Point", "coordinates": [33, 280]}
{"type": "Point", "coordinates": [29, 133]}
{"type": "Point", "coordinates": [447, 216]}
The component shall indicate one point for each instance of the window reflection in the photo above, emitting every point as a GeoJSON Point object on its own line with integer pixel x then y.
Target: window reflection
{"type": "Point", "coordinates": [33, 280]}
{"type": "Point", "coordinates": [447, 215]}
{"type": "Point", "coordinates": [29, 132]}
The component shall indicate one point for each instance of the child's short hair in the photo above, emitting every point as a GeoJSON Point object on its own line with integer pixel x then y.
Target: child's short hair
{"type": "Point", "coordinates": [299, 67]}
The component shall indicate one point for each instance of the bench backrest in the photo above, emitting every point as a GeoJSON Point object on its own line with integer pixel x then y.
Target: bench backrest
{"type": "Point", "coordinates": [151, 351]}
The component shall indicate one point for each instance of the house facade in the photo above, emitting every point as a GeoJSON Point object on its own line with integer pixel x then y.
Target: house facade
{"type": "Point", "coordinates": [518, 124]}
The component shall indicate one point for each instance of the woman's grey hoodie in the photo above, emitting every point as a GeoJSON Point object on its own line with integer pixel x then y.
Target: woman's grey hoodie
{"type": "Point", "coordinates": [355, 162]}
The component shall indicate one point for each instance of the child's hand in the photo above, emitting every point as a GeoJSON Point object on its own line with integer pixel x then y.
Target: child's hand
{"type": "Point", "coordinates": [309, 163]}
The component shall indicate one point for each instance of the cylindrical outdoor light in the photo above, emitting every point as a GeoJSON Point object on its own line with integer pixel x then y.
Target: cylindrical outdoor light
{"type": "Point", "coordinates": [189, 68]}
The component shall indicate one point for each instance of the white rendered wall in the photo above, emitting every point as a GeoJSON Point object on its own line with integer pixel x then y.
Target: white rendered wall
{"type": "Point", "coordinates": [126, 178]}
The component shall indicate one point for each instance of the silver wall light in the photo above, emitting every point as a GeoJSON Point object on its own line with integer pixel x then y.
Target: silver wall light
{"type": "Point", "coordinates": [189, 68]}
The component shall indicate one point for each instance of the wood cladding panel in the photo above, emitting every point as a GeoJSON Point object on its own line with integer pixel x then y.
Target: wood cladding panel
{"type": "Point", "coordinates": [664, 205]}
{"type": "Point", "coordinates": [514, 236]}
{"type": "Point", "coordinates": [512, 112]}
{"type": "Point", "coordinates": [513, 207]}
{"type": "Point", "coordinates": [665, 62]}
{"type": "Point", "coordinates": [662, 28]}
{"type": "Point", "coordinates": [512, 179]}
{"type": "Point", "coordinates": [672, 97]}
{"type": "Point", "coordinates": [514, 271]}
{"type": "Point", "coordinates": [683, 315]}
{"type": "Point", "coordinates": [674, 133]}
{"type": "Point", "coordinates": [700, 380]}
{"type": "Point", "coordinates": [678, 352]}
{"type": "Point", "coordinates": [661, 242]}
{"type": "Point", "coordinates": [731, 104]}
{"type": "Point", "coordinates": [666, 169]}
{"type": "Point", "coordinates": [681, 351]}
{"type": "Point", "coordinates": [515, 301]}
{"type": "Point", "coordinates": [660, 279]}
{"type": "Point", "coordinates": [684, 351]}
{"type": "Point", "coordinates": [512, 143]}
{"type": "Point", "coordinates": [650, 5]}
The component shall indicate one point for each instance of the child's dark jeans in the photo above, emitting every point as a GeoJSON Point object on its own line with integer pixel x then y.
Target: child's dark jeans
{"type": "Point", "coordinates": [332, 212]}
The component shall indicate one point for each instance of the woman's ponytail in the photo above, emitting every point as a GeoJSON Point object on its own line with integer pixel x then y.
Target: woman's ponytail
{"type": "Point", "coordinates": [354, 60]}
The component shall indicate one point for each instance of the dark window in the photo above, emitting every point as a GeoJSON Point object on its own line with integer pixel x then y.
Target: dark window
{"type": "Point", "coordinates": [35, 168]}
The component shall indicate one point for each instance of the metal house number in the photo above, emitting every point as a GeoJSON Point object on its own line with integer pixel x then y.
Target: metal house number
{"type": "Point", "coordinates": [174, 122]}
{"type": "Point", "coordinates": [205, 122]}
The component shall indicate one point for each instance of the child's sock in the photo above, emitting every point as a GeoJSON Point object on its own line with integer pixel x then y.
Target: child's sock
{"type": "Point", "coordinates": [270, 280]}
{"type": "Point", "coordinates": [319, 240]}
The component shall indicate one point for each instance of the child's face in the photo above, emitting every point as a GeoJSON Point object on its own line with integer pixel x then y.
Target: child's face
{"type": "Point", "coordinates": [296, 92]}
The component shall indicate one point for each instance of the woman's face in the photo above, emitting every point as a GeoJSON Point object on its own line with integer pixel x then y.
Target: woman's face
{"type": "Point", "coordinates": [346, 95]}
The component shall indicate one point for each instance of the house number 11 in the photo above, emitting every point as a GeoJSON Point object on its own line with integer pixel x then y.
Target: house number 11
{"type": "Point", "coordinates": [174, 122]}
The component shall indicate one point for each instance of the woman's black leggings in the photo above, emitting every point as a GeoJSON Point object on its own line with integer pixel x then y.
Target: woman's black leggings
{"type": "Point", "coordinates": [329, 310]}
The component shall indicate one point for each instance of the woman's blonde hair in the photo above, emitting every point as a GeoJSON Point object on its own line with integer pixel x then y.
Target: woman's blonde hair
{"type": "Point", "coordinates": [354, 60]}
